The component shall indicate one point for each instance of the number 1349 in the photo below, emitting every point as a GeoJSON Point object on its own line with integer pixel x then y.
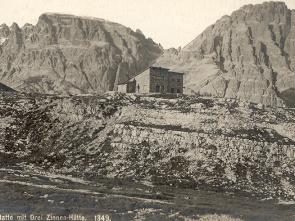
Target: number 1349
{"type": "Point", "coordinates": [102, 218]}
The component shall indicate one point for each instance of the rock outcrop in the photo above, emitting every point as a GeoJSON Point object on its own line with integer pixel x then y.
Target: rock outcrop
{"type": "Point", "coordinates": [215, 144]}
{"type": "Point", "coordinates": [70, 54]}
{"type": "Point", "coordinates": [249, 55]}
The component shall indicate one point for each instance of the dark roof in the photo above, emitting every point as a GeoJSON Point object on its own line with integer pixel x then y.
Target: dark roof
{"type": "Point", "coordinates": [3, 87]}
{"type": "Point", "coordinates": [124, 82]}
{"type": "Point", "coordinates": [151, 67]}
{"type": "Point", "coordinates": [174, 72]}
{"type": "Point", "coordinates": [160, 68]}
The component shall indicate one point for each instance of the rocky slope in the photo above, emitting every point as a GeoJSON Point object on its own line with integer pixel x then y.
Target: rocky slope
{"type": "Point", "coordinates": [249, 55]}
{"type": "Point", "coordinates": [70, 54]}
{"type": "Point", "coordinates": [194, 142]}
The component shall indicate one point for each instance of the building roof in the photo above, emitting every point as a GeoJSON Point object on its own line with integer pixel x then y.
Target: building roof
{"type": "Point", "coordinates": [174, 72]}
{"type": "Point", "coordinates": [151, 67]}
{"type": "Point", "coordinates": [160, 68]}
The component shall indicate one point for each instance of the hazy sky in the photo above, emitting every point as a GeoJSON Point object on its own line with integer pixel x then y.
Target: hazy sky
{"type": "Point", "coordinates": [172, 23]}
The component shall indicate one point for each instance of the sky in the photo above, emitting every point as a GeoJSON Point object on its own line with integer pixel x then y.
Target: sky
{"type": "Point", "coordinates": [172, 23]}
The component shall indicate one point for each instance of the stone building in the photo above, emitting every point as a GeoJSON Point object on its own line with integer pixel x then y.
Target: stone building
{"type": "Point", "coordinates": [154, 80]}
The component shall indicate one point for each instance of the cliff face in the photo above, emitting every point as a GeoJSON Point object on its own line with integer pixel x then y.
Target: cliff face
{"type": "Point", "coordinates": [188, 142]}
{"type": "Point", "coordinates": [69, 54]}
{"type": "Point", "coordinates": [249, 55]}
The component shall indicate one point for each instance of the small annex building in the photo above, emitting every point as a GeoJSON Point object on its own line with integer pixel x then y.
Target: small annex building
{"type": "Point", "coordinates": [154, 80]}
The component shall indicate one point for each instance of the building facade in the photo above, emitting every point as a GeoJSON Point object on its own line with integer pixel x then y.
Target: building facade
{"type": "Point", "coordinates": [154, 80]}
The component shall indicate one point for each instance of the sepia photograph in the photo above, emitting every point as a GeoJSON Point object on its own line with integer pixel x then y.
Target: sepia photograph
{"type": "Point", "coordinates": [147, 110]}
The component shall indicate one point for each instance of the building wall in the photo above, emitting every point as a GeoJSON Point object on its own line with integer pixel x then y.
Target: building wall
{"type": "Point", "coordinates": [175, 83]}
{"type": "Point", "coordinates": [138, 84]}
{"type": "Point", "coordinates": [159, 80]}
{"type": "Point", "coordinates": [154, 80]}
{"type": "Point", "coordinates": [167, 82]}
{"type": "Point", "coordinates": [122, 88]}
{"type": "Point", "coordinates": [143, 82]}
{"type": "Point", "coordinates": [131, 86]}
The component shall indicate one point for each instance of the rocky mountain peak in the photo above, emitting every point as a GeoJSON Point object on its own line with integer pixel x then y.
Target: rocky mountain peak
{"type": "Point", "coordinates": [249, 55]}
{"type": "Point", "coordinates": [4, 31]}
{"type": "Point", "coordinates": [71, 54]}
{"type": "Point", "coordinates": [14, 26]}
{"type": "Point", "coordinates": [3, 25]}
{"type": "Point", "coordinates": [267, 4]}
{"type": "Point", "coordinates": [28, 29]}
{"type": "Point", "coordinates": [60, 16]}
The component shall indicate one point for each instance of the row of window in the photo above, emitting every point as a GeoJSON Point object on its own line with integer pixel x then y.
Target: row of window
{"type": "Point", "coordinates": [178, 80]}
{"type": "Point", "coordinates": [177, 90]}
{"type": "Point", "coordinates": [172, 90]}
{"type": "Point", "coordinates": [161, 78]}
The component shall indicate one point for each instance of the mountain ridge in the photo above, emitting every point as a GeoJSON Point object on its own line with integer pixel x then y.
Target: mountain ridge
{"type": "Point", "coordinates": [248, 55]}
{"type": "Point", "coordinates": [71, 54]}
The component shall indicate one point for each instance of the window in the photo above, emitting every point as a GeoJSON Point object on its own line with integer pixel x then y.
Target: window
{"type": "Point", "coordinates": [157, 88]}
{"type": "Point", "coordinates": [172, 90]}
{"type": "Point", "coordinates": [178, 80]}
{"type": "Point", "coordinates": [178, 91]}
{"type": "Point", "coordinates": [158, 78]}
